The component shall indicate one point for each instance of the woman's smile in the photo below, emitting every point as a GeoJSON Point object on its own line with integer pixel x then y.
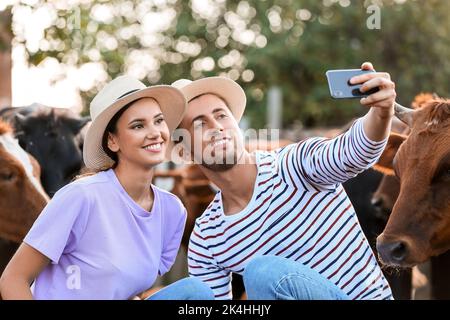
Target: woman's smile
{"type": "Point", "coordinates": [155, 147]}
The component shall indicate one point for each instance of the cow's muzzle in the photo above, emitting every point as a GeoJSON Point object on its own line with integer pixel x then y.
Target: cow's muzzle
{"type": "Point", "coordinates": [393, 252]}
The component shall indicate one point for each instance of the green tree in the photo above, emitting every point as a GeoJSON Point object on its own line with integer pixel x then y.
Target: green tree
{"type": "Point", "coordinates": [258, 43]}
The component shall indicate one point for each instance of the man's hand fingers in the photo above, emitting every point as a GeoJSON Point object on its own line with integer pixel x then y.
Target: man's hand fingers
{"type": "Point", "coordinates": [367, 66]}
{"type": "Point", "coordinates": [375, 98]}
{"type": "Point", "coordinates": [367, 76]}
{"type": "Point", "coordinates": [384, 98]}
{"type": "Point", "coordinates": [377, 82]}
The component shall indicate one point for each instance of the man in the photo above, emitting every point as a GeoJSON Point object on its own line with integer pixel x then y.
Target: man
{"type": "Point", "coordinates": [282, 219]}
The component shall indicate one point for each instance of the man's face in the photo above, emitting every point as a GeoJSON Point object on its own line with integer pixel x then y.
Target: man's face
{"type": "Point", "coordinates": [215, 140]}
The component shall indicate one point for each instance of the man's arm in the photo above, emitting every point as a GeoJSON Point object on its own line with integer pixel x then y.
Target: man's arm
{"type": "Point", "coordinates": [377, 122]}
{"type": "Point", "coordinates": [202, 264]}
{"type": "Point", "coordinates": [320, 163]}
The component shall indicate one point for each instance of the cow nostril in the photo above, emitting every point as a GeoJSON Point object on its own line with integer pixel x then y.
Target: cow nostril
{"type": "Point", "coordinates": [398, 251]}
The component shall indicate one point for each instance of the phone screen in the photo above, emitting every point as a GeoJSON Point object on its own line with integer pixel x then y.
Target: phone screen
{"type": "Point", "coordinates": [340, 87]}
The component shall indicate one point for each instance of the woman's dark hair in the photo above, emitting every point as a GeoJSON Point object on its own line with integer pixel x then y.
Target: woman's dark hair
{"type": "Point", "coordinates": [112, 128]}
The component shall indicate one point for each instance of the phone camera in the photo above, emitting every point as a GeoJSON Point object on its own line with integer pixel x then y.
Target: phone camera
{"type": "Point", "coordinates": [338, 93]}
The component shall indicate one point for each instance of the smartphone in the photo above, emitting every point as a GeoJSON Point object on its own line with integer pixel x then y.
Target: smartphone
{"type": "Point", "coordinates": [340, 87]}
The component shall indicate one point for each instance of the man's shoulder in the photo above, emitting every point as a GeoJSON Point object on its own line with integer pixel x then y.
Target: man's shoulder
{"type": "Point", "coordinates": [210, 214]}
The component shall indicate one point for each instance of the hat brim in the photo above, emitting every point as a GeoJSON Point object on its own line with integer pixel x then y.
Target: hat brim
{"type": "Point", "coordinates": [225, 88]}
{"type": "Point", "coordinates": [172, 104]}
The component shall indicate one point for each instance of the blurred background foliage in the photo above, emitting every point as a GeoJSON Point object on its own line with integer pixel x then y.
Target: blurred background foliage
{"type": "Point", "coordinates": [260, 43]}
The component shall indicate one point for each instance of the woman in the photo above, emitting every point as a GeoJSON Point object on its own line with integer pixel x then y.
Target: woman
{"type": "Point", "coordinates": [108, 235]}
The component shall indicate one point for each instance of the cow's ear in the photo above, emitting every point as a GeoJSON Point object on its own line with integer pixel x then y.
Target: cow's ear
{"type": "Point", "coordinates": [20, 121]}
{"type": "Point", "coordinates": [385, 162]}
{"type": "Point", "coordinates": [75, 124]}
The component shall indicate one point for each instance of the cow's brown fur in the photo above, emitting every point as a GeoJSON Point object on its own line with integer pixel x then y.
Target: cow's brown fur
{"type": "Point", "coordinates": [20, 202]}
{"type": "Point", "coordinates": [421, 216]}
{"type": "Point", "coordinates": [5, 128]}
{"type": "Point", "coordinates": [387, 192]}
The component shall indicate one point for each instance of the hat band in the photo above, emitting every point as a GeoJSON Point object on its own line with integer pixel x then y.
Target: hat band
{"type": "Point", "coordinates": [127, 93]}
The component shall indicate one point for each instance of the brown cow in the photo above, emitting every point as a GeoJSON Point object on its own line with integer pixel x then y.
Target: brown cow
{"type": "Point", "coordinates": [419, 226]}
{"type": "Point", "coordinates": [22, 197]}
{"type": "Point", "coordinates": [387, 192]}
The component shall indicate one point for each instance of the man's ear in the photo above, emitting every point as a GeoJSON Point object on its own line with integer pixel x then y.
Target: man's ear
{"type": "Point", "coordinates": [112, 143]}
{"type": "Point", "coordinates": [180, 147]}
{"type": "Point", "coordinates": [385, 162]}
{"type": "Point", "coordinates": [180, 154]}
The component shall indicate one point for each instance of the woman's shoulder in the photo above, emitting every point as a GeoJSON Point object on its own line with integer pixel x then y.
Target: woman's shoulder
{"type": "Point", "coordinates": [168, 199]}
{"type": "Point", "coordinates": [92, 179]}
{"type": "Point", "coordinates": [83, 185]}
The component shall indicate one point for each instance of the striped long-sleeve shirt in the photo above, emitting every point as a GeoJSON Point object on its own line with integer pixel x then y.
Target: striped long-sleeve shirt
{"type": "Point", "coordinates": [300, 211]}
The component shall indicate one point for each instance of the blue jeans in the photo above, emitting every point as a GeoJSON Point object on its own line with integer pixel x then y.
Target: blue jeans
{"type": "Point", "coordinates": [277, 278]}
{"type": "Point", "coordinates": [184, 289]}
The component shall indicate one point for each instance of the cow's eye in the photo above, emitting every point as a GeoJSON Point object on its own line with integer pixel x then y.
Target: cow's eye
{"type": "Point", "coordinates": [6, 176]}
{"type": "Point", "coordinates": [443, 174]}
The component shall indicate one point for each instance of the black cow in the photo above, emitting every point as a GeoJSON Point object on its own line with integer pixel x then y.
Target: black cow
{"type": "Point", "coordinates": [52, 136]}
{"type": "Point", "coordinates": [360, 190]}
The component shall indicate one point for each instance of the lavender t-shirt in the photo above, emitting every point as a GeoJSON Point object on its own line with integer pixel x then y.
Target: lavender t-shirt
{"type": "Point", "coordinates": [102, 244]}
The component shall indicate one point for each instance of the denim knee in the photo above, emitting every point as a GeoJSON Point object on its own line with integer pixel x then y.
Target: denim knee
{"type": "Point", "coordinates": [271, 277]}
{"type": "Point", "coordinates": [258, 275]}
{"type": "Point", "coordinates": [261, 267]}
{"type": "Point", "coordinates": [198, 290]}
